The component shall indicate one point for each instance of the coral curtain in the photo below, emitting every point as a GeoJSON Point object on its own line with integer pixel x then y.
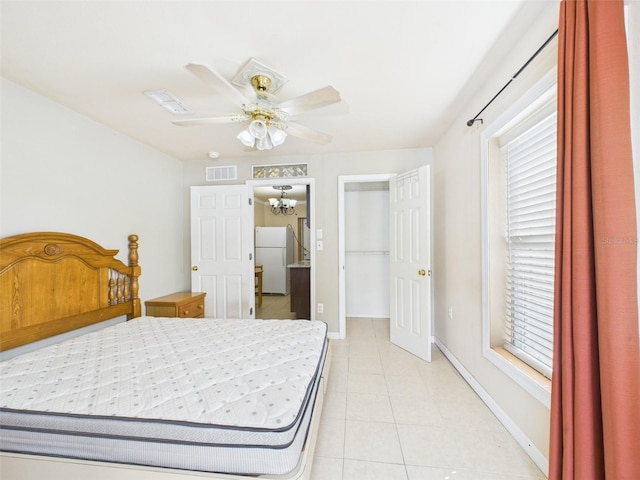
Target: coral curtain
{"type": "Point", "coordinates": [595, 400]}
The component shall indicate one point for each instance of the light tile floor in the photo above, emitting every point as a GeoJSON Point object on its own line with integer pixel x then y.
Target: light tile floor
{"type": "Point", "coordinates": [390, 416]}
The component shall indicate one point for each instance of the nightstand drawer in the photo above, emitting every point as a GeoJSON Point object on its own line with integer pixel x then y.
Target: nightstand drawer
{"type": "Point", "coordinates": [194, 309]}
{"type": "Point", "coordinates": [181, 304]}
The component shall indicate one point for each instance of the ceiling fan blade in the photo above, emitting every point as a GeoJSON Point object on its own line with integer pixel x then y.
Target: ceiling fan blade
{"type": "Point", "coordinates": [209, 119]}
{"type": "Point", "coordinates": [306, 133]}
{"type": "Point", "coordinates": [218, 82]}
{"type": "Point", "coordinates": [311, 101]}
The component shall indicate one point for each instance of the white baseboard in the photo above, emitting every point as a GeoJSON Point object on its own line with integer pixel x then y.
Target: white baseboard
{"type": "Point", "coordinates": [538, 458]}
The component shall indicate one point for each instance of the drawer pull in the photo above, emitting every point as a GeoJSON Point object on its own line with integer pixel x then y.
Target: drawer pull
{"type": "Point", "coordinates": [200, 307]}
{"type": "Point", "coordinates": [186, 312]}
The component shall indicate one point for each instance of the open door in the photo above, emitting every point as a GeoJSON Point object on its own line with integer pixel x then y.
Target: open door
{"type": "Point", "coordinates": [222, 250]}
{"type": "Point", "coordinates": [410, 270]}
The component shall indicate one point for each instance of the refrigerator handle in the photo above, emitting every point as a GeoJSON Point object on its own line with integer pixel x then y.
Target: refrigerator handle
{"type": "Point", "coordinates": [284, 257]}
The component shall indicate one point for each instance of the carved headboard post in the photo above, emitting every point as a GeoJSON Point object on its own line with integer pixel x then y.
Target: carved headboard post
{"type": "Point", "coordinates": [135, 273]}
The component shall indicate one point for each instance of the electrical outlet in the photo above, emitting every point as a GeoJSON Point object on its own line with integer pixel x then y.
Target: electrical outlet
{"type": "Point", "coordinates": [320, 308]}
{"type": "Point", "coordinates": [450, 312]}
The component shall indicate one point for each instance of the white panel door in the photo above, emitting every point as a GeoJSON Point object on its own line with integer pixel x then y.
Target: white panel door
{"type": "Point", "coordinates": [221, 250]}
{"type": "Point", "coordinates": [410, 269]}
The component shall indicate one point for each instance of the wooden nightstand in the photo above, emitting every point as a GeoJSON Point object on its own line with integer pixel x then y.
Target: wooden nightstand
{"type": "Point", "coordinates": [181, 304]}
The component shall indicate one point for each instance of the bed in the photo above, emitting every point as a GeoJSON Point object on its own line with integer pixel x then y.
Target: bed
{"type": "Point", "coordinates": [161, 398]}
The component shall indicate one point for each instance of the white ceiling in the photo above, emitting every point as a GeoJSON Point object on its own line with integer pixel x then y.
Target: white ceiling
{"type": "Point", "coordinates": [297, 192]}
{"type": "Point", "coordinates": [403, 68]}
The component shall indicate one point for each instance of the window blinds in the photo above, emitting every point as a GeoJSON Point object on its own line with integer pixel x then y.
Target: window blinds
{"type": "Point", "coordinates": [531, 200]}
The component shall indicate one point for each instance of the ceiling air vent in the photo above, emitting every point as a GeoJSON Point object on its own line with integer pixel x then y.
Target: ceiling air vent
{"type": "Point", "coordinates": [216, 174]}
{"type": "Point", "coordinates": [167, 101]}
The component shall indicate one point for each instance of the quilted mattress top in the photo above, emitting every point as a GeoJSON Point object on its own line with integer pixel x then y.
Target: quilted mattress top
{"type": "Point", "coordinates": [239, 373]}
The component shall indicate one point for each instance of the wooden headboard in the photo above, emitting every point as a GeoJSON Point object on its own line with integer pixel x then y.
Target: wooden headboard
{"type": "Point", "coordinates": [51, 283]}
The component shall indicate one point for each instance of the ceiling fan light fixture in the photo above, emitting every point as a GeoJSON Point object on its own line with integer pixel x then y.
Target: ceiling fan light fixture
{"type": "Point", "coordinates": [262, 134]}
{"type": "Point", "coordinates": [267, 116]}
{"type": "Point", "coordinates": [258, 128]}
{"type": "Point", "coordinates": [263, 143]}
{"type": "Point", "coordinates": [277, 135]}
{"type": "Point", "coordinates": [246, 138]}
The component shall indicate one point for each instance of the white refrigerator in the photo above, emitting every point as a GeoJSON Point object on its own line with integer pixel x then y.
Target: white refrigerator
{"type": "Point", "coordinates": [274, 251]}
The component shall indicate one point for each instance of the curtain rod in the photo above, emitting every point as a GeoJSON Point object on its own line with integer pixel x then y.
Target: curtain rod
{"type": "Point", "coordinates": [475, 119]}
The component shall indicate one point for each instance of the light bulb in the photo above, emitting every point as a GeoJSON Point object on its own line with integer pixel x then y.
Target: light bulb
{"type": "Point", "coordinates": [277, 135]}
{"type": "Point", "coordinates": [263, 143]}
{"type": "Point", "coordinates": [258, 129]}
{"type": "Point", "coordinates": [246, 138]}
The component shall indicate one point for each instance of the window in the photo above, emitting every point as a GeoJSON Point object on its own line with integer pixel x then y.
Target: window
{"type": "Point", "coordinates": [518, 218]}
{"type": "Point", "coordinates": [530, 230]}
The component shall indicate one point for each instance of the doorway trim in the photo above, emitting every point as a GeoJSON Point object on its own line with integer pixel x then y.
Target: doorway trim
{"type": "Point", "coordinates": [343, 180]}
{"type": "Point", "coordinates": [312, 221]}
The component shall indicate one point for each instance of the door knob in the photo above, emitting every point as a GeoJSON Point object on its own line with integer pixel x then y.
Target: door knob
{"type": "Point", "coordinates": [422, 272]}
{"type": "Point", "coordinates": [194, 268]}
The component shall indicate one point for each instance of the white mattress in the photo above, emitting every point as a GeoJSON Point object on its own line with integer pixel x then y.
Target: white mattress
{"type": "Point", "coordinates": [215, 395]}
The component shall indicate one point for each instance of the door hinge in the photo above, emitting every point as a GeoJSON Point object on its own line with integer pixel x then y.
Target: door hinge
{"type": "Point", "coordinates": [250, 256]}
{"type": "Point", "coordinates": [249, 201]}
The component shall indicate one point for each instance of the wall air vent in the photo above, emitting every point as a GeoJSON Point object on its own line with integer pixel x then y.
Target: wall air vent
{"type": "Point", "coordinates": [217, 174]}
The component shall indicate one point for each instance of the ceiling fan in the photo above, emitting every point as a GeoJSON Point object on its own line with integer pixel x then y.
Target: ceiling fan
{"type": "Point", "coordinates": [269, 119]}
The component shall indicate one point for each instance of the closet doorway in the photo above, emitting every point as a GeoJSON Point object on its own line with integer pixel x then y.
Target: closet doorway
{"type": "Point", "coordinates": [363, 247]}
{"type": "Point", "coordinates": [408, 282]}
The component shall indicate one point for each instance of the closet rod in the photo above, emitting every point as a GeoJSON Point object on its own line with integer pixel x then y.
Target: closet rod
{"type": "Point", "coordinates": [475, 119]}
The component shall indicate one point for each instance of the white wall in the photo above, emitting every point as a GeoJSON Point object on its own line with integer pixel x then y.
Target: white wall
{"type": "Point", "coordinates": [457, 228]}
{"type": "Point", "coordinates": [61, 171]}
{"type": "Point", "coordinates": [325, 169]}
